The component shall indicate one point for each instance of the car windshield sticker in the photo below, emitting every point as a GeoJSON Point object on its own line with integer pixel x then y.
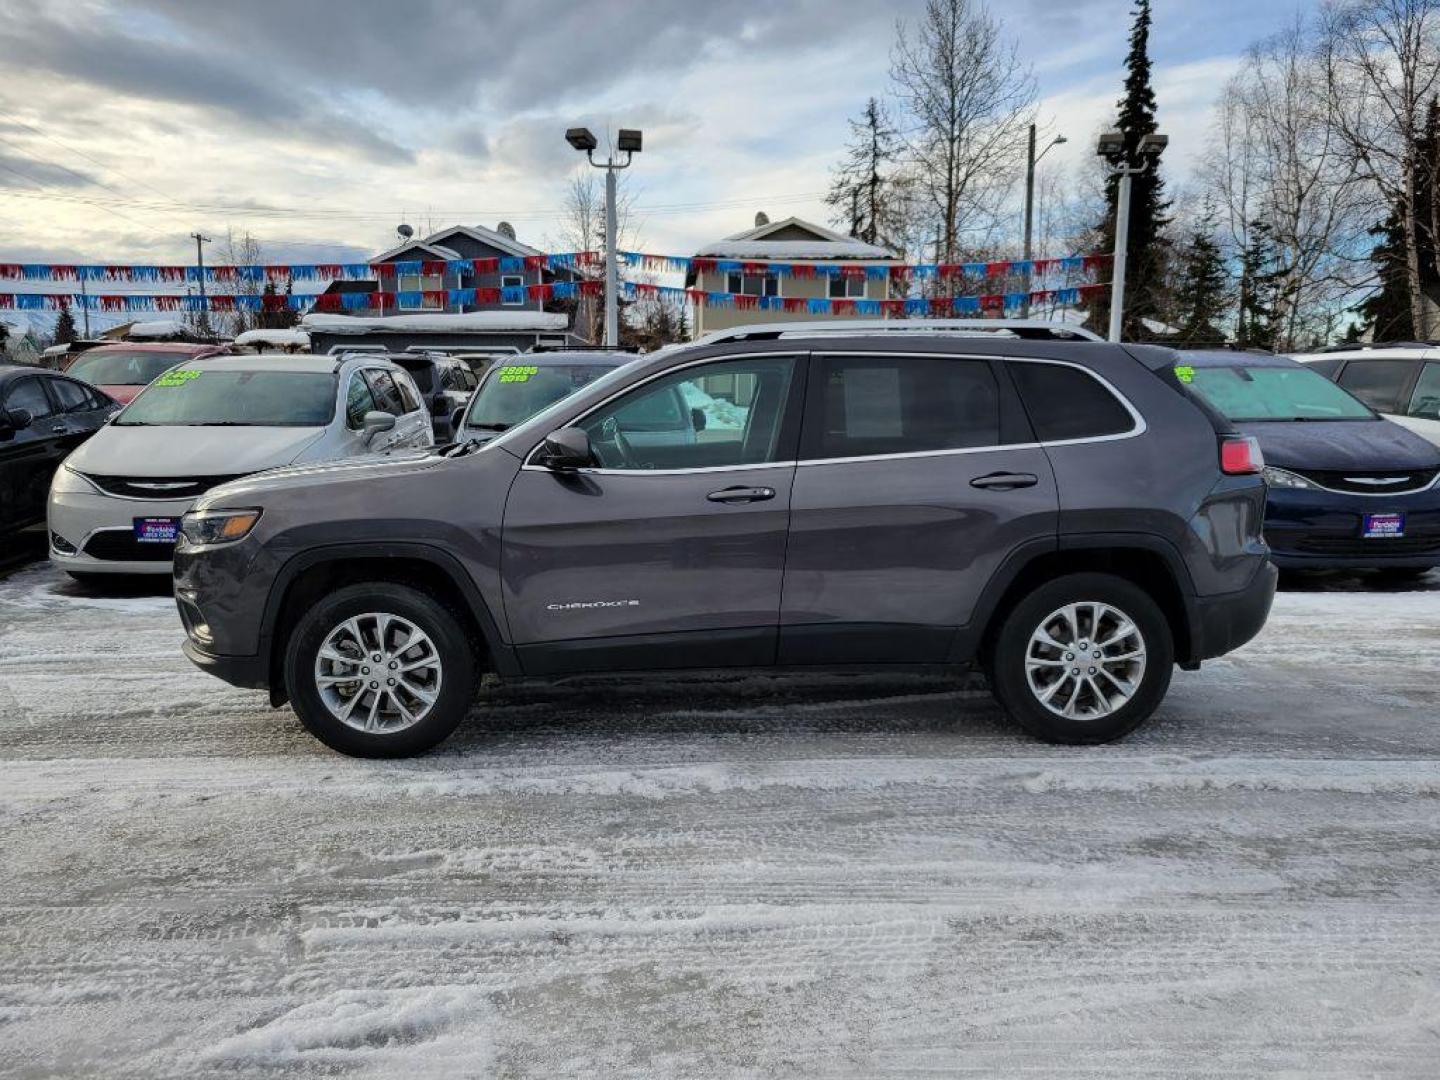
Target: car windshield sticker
{"type": "Point", "coordinates": [177, 378]}
{"type": "Point", "coordinates": [518, 373]}
{"type": "Point", "coordinates": [1185, 373]}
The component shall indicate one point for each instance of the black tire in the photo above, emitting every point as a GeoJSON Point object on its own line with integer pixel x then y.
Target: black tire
{"type": "Point", "coordinates": [457, 655]}
{"type": "Point", "coordinates": [1006, 663]}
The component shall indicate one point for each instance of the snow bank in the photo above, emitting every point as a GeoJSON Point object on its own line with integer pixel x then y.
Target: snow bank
{"type": "Point", "coordinates": [437, 322]}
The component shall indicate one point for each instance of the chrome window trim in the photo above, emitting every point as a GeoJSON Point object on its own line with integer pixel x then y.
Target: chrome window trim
{"type": "Point", "coordinates": [1140, 426]}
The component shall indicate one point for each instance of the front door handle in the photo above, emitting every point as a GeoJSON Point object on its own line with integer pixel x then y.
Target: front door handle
{"type": "Point", "coordinates": [741, 494]}
{"type": "Point", "coordinates": [1005, 481]}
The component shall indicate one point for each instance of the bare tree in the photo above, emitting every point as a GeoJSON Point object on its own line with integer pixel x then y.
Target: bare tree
{"type": "Point", "coordinates": [1382, 65]}
{"type": "Point", "coordinates": [582, 228]}
{"type": "Point", "coordinates": [241, 250]}
{"type": "Point", "coordinates": [1279, 163]}
{"type": "Point", "coordinates": [969, 99]}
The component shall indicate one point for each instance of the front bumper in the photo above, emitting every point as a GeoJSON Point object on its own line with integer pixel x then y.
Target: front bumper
{"type": "Point", "coordinates": [249, 672]}
{"type": "Point", "coordinates": [100, 528]}
{"type": "Point", "coordinates": [1322, 530]}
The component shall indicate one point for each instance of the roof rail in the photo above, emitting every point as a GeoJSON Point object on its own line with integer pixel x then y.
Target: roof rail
{"type": "Point", "coordinates": [1361, 346]}
{"type": "Point", "coordinates": [1031, 329]}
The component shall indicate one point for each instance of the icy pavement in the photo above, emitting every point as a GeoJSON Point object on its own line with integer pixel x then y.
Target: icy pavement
{"type": "Point", "coordinates": [799, 876]}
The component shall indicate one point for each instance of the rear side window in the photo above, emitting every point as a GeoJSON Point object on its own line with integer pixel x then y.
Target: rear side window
{"type": "Point", "coordinates": [1425, 401]}
{"type": "Point", "coordinates": [408, 394]}
{"type": "Point", "coordinates": [871, 405]}
{"type": "Point", "coordinates": [1378, 383]}
{"type": "Point", "coordinates": [1068, 403]}
{"type": "Point", "coordinates": [387, 398]}
{"type": "Point", "coordinates": [73, 396]}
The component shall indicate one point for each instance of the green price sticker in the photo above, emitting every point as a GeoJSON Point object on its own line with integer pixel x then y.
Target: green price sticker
{"type": "Point", "coordinates": [1185, 373]}
{"type": "Point", "coordinates": [517, 373]}
{"type": "Point", "coordinates": [177, 378]}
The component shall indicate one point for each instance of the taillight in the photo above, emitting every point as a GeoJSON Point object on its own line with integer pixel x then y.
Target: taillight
{"type": "Point", "coordinates": [1240, 456]}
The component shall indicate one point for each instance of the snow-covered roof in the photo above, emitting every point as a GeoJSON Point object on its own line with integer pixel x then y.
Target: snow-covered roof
{"type": "Point", "coordinates": [282, 339]}
{"type": "Point", "coordinates": [827, 244]}
{"type": "Point", "coordinates": [484, 236]}
{"type": "Point", "coordinates": [436, 322]}
{"type": "Point", "coordinates": [157, 328]}
{"type": "Point", "coordinates": [1157, 327]}
{"type": "Point", "coordinates": [435, 250]}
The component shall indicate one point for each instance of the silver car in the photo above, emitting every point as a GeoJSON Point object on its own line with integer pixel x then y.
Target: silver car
{"type": "Point", "coordinates": [116, 502]}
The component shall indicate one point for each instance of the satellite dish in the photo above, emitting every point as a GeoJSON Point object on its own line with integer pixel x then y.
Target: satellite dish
{"type": "Point", "coordinates": [506, 230]}
{"type": "Point", "coordinates": [762, 218]}
{"type": "Point", "coordinates": [405, 232]}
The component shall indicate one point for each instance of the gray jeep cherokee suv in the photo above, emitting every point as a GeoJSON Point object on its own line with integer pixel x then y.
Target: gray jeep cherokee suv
{"type": "Point", "coordinates": [1062, 512]}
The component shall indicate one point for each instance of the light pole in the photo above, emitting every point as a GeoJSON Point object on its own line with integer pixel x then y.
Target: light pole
{"type": "Point", "coordinates": [200, 242]}
{"type": "Point", "coordinates": [1031, 160]}
{"type": "Point", "coordinates": [628, 143]}
{"type": "Point", "coordinates": [1122, 163]}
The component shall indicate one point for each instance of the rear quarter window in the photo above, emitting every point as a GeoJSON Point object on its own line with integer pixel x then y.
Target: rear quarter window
{"type": "Point", "coordinates": [1068, 403]}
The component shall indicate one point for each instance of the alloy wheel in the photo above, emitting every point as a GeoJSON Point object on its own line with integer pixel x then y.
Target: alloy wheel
{"type": "Point", "coordinates": [1085, 660]}
{"type": "Point", "coordinates": [378, 673]}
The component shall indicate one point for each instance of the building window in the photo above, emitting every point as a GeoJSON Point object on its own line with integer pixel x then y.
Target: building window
{"type": "Point", "coordinates": [753, 284]}
{"type": "Point", "coordinates": [847, 288]}
{"type": "Point", "coordinates": [511, 281]}
{"type": "Point", "coordinates": [409, 283]}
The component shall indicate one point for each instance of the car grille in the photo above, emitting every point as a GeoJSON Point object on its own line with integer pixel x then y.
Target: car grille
{"type": "Point", "coordinates": [158, 487]}
{"type": "Point", "coordinates": [1358, 547]}
{"type": "Point", "coordinates": [120, 545]}
{"type": "Point", "coordinates": [1395, 481]}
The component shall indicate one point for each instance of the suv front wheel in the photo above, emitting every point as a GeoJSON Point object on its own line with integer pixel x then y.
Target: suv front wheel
{"type": "Point", "coordinates": [1082, 659]}
{"type": "Point", "coordinates": [380, 670]}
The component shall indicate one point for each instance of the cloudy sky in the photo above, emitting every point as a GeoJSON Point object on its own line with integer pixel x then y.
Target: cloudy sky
{"type": "Point", "coordinates": [319, 127]}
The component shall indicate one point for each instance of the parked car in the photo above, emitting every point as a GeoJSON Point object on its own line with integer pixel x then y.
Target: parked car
{"type": "Point", "coordinates": [116, 503]}
{"type": "Point", "coordinates": [516, 388]}
{"type": "Point", "coordinates": [123, 369]}
{"type": "Point", "coordinates": [1348, 488]}
{"type": "Point", "coordinates": [444, 382]}
{"type": "Point", "coordinates": [1065, 513]}
{"type": "Point", "coordinates": [1400, 381]}
{"type": "Point", "coordinates": [43, 416]}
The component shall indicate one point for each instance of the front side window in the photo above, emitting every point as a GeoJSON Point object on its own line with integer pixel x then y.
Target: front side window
{"type": "Point", "coordinates": [1254, 394]}
{"type": "Point", "coordinates": [29, 394]}
{"type": "Point", "coordinates": [872, 405]}
{"type": "Point", "coordinates": [1425, 401]}
{"type": "Point", "coordinates": [1378, 383]}
{"type": "Point", "coordinates": [387, 397]}
{"type": "Point", "coordinates": [205, 397]}
{"type": "Point", "coordinates": [409, 396]}
{"type": "Point", "coordinates": [674, 423]}
{"type": "Point", "coordinates": [73, 397]}
{"type": "Point", "coordinates": [1067, 403]}
{"type": "Point", "coordinates": [358, 402]}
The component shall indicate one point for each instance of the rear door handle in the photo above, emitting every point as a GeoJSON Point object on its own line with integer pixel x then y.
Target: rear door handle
{"type": "Point", "coordinates": [1005, 481]}
{"type": "Point", "coordinates": [741, 494]}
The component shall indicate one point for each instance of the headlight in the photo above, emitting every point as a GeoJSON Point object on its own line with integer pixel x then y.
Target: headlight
{"type": "Point", "coordinates": [1283, 478]}
{"type": "Point", "coordinates": [202, 527]}
{"type": "Point", "coordinates": [69, 482]}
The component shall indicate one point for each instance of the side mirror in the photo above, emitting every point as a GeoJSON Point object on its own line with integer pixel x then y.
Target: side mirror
{"type": "Point", "coordinates": [456, 419]}
{"type": "Point", "coordinates": [697, 419]}
{"type": "Point", "coordinates": [15, 419]}
{"type": "Point", "coordinates": [375, 423]}
{"type": "Point", "coordinates": [565, 449]}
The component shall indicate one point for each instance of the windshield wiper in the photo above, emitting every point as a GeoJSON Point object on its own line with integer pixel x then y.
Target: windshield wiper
{"type": "Point", "coordinates": [489, 427]}
{"type": "Point", "coordinates": [454, 450]}
{"type": "Point", "coordinates": [222, 423]}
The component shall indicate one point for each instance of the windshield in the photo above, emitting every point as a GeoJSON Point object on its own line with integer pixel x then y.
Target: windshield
{"type": "Point", "coordinates": [206, 397]}
{"type": "Point", "coordinates": [1275, 393]}
{"type": "Point", "coordinates": [122, 367]}
{"type": "Point", "coordinates": [516, 392]}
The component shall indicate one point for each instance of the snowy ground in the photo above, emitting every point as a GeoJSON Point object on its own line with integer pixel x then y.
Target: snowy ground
{"type": "Point", "coordinates": [797, 876]}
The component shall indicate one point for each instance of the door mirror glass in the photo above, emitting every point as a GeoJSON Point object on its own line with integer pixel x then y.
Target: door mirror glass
{"type": "Point", "coordinates": [456, 418]}
{"type": "Point", "coordinates": [567, 448]}
{"type": "Point", "coordinates": [376, 422]}
{"type": "Point", "coordinates": [697, 419]}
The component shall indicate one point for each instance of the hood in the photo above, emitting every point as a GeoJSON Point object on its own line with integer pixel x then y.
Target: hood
{"type": "Point", "coordinates": [366, 467]}
{"type": "Point", "coordinates": [1342, 444]}
{"type": "Point", "coordinates": [117, 450]}
{"type": "Point", "coordinates": [121, 392]}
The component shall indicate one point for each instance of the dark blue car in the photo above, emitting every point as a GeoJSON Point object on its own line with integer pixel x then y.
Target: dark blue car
{"type": "Point", "coordinates": [1348, 489]}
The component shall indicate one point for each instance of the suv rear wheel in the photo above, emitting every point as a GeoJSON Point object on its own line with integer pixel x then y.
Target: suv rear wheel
{"type": "Point", "coordinates": [380, 670]}
{"type": "Point", "coordinates": [1082, 659]}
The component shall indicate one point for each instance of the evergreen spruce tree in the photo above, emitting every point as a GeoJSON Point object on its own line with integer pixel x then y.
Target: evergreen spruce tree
{"type": "Point", "coordinates": [863, 190]}
{"type": "Point", "coordinates": [1385, 314]}
{"type": "Point", "coordinates": [1146, 247]}
{"type": "Point", "coordinates": [1202, 293]}
{"type": "Point", "coordinates": [1259, 288]}
{"type": "Point", "coordinates": [64, 325]}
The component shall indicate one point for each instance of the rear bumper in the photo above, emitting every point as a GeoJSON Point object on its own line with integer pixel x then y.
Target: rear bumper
{"type": "Point", "coordinates": [1221, 624]}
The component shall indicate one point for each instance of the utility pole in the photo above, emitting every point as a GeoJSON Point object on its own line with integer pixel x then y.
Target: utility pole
{"type": "Point", "coordinates": [1031, 160]}
{"type": "Point", "coordinates": [1126, 165]}
{"type": "Point", "coordinates": [628, 143]}
{"type": "Point", "coordinates": [204, 321]}
{"type": "Point", "coordinates": [85, 303]}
